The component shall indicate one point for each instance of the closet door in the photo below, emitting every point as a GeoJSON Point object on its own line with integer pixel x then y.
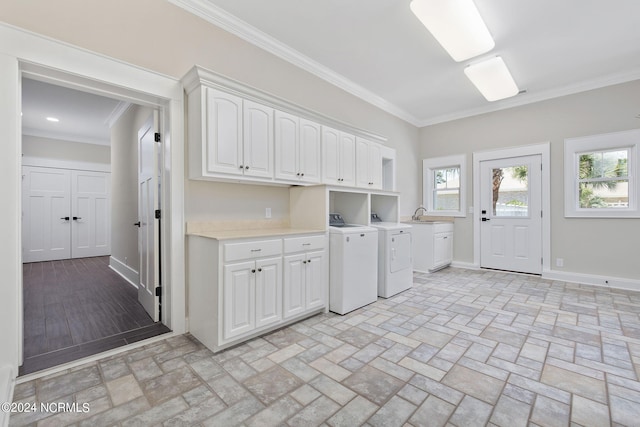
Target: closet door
{"type": "Point", "coordinates": [46, 218]}
{"type": "Point", "coordinates": [90, 214]}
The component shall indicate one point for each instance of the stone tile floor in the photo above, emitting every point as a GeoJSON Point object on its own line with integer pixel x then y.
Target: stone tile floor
{"type": "Point", "coordinates": [461, 348]}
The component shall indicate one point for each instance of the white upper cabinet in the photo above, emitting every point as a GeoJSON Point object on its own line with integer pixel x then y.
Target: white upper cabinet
{"type": "Point", "coordinates": [368, 164]}
{"type": "Point", "coordinates": [297, 146]}
{"type": "Point", "coordinates": [239, 134]}
{"type": "Point", "coordinates": [258, 140]}
{"type": "Point", "coordinates": [230, 136]}
{"type": "Point", "coordinates": [223, 145]}
{"type": "Point", "coordinates": [338, 157]}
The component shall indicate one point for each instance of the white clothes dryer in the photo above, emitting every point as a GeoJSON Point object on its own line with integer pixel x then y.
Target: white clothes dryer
{"type": "Point", "coordinates": [395, 262]}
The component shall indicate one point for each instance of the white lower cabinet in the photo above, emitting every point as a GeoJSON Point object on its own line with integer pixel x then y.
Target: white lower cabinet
{"type": "Point", "coordinates": [304, 282]}
{"type": "Point", "coordinates": [237, 289]}
{"type": "Point", "coordinates": [252, 295]}
{"type": "Point", "coordinates": [432, 245]}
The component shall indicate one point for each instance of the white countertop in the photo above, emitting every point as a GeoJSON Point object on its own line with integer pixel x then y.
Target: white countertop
{"type": "Point", "coordinates": [248, 233]}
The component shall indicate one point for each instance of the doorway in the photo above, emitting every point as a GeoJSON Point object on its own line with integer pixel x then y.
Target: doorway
{"type": "Point", "coordinates": [79, 294]}
{"type": "Point", "coordinates": [511, 194]}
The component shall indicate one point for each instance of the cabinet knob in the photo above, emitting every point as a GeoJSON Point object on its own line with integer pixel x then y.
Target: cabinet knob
{"type": "Point", "coordinates": [241, 166]}
{"type": "Point", "coordinates": [259, 269]}
{"type": "Point", "coordinates": [309, 261]}
{"type": "Point", "coordinates": [298, 174]}
{"type": "Point", "coordinates": [302, 174]}
{"type": "Point", "coordinates": [246, 167]}
{"type": "Point", "coordinates": [304, 262]}
{"type": "Point", "coordinates": [253, 270]}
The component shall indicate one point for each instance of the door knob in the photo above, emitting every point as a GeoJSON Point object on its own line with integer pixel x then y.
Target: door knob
{"type": "Point", "coordinates": [485, 219]}
{"type": "Point", "coordinates": [137, 224]}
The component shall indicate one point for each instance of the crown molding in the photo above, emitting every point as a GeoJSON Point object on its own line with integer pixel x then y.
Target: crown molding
{"type": "Point", "coordinates": [116, 113]}
{"type": "Point", "coordinates": [68, 137]}
{"type": "Point", "coordinates": [240, 28]}
{"type": "Point", "coordinates": [531, 98]}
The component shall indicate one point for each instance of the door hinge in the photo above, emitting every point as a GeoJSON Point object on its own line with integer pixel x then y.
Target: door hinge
{"type": "Point", "coordinates": [541, 261]}
{"type": "Point", "coordinates": [157, 137]}
{"type": "Point", "coordinates": [157, 213]}
{"type": "Point", "coordinates": [541, 214]}
{"type": "Point", "coordinates": [159, 291]}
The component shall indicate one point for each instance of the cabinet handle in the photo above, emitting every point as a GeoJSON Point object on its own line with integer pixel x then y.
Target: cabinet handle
{"type": "Point", "coordinates": [66, 218]}
{"type": "Point", "coordinates": [309, 261]}
{"type": "Point", "coordinates": [362, 235]}
{"type": "Point", "coordinates": [306, 244]}
{"type": "Point", "coordinates": [241, 166]}
{"type": "Point", "coordinates": [256, 250]}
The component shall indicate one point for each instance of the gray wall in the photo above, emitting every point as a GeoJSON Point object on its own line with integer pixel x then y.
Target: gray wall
{"type": "Point", "coordinates": [119, 28]}
{"type": "Point", "coordinates": [124, 185]}
{"type": "Point", "coordinates": [65, 151]}
{"type": "Point", "coordinates": [607, 247]}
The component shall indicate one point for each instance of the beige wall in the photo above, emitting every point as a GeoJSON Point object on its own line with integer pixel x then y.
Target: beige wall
{"type": "Point", "coordinates": [607, 247]}
{"type": "Point", "coordinates": [124, 185]}
{"type": "Point", "coordinates": [66, 151]}
{"type": "Point", "coordinates": [162, 37]}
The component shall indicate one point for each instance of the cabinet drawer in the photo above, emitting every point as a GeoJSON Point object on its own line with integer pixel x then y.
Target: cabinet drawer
{"type": "Point", "coordinates": [306, 243]}
{"type": "Point", "coordinates": [246, 250]}
{"type": "Point", "coordinates": [442, 227]}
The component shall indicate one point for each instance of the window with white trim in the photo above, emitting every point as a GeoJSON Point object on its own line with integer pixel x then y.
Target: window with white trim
{"type": "Point", "coordinates": [601, 175]}
{"type": "Point", "coordinates": [443, 185]}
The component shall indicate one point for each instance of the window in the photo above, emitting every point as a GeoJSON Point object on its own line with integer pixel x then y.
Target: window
{"type": "Point", "coordinates": [443, 185]}
{"type": "Point", "coordinates": [600, 175]}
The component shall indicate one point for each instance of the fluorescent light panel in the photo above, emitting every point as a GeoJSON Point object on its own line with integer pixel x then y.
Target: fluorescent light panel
{"type": "Point", "coordinates": [456, 24]}
{"type": "Point", "coordinates": [492, 78]}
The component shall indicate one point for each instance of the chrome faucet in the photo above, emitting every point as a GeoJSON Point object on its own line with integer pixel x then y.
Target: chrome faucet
{"type": "Point", "coordinates": [415, 216]}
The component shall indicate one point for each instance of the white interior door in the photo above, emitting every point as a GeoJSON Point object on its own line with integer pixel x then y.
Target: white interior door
{"type": "Point", "coordinates": [90, 214]}
{"type": "Point", "coordinates": [148, 202]}
{"type": "Point", "coordinates": [511, 214]}
{"type": "Point", "coordinates": [46, 221]}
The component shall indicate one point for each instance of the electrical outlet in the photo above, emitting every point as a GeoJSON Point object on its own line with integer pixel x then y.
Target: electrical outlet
{"type": "Point", "coordinates": [559, 262]}
{"type": "Point", "coordinates": [267, 213]}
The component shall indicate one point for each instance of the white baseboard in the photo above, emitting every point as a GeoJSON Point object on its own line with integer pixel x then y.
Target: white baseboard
{"type": "Point", "coordinates": [7, 383]}
{"type": "Point", "coordinates": [127, 273]}
{"type": "Point", "coordinates": [592, 279]}
{"type": "Point", "coordinates": [467, 265]}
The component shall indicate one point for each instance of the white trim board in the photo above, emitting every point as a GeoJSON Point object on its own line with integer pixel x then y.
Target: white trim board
{"type": "Point", "coordinates": [124, 271]}
{"type": "Point", "coordinates": [544, 150]}
{"type": "Point", "coordinates": [222, 19]}
{"type": "Point", "coordinates": [592, 279]}
{"type": "Point", "coordinates": [65, 164]}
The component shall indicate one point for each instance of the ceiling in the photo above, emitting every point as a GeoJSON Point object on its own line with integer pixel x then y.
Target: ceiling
{"type": "Point", "coordinates": [83, 117]}
{"type": "Point", "coordinates": [379, 51]}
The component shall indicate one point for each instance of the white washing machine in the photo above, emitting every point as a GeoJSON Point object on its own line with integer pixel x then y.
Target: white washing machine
{"type": "Point", "coordinates": [353, 265]}
{"type": "Point", "coordinates": [395, 266]}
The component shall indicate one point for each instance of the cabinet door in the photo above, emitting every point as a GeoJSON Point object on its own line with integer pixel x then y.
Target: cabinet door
{"type": "Point", "coordinates": [224, 133]}
{"type": "Point", "coordinates": [268, 291]}
{"type": "Point", "coordinates": [362, 163]}
{"type": "Point", "coordinates": [286, 146]}
{"type": "Point", "coordinates": [330, 156]}
{"type": "Point", "coordinates": [309, 154]}
{"type": "Point", "coordinates": [316, 279]}
{"type": "Point", "coordinates": [347, 159]}
{"type": "Point", "coordinates": [375, 165]}
{"type": "Point", "coordinates": [442, 249]}
{"type": "Point", "coordinates": [294, 285]}
{"type": "Point", "coordinates": [258, 140]}
{"type": "Point", "coordinates": [239, 298]}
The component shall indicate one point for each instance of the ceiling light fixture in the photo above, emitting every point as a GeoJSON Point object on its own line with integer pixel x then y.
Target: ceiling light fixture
{"type": "Point", "coordinates": [53, 119]}
{"type": "Point", "coordinates": [456, 24]}
{"type": "Point", "coordinates": [492, 78]}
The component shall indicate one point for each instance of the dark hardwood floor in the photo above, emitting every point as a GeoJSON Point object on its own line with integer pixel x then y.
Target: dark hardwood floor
{"type": "Point", "coordinates": [76, 308]}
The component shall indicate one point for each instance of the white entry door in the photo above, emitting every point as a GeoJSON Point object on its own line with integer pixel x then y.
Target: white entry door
{"type": "Point", "coordinates": [148, 202]}
{"type": "Point", "coordinates": [66, 214]}
{"type": "Point", "coordinates": [511, 214]}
